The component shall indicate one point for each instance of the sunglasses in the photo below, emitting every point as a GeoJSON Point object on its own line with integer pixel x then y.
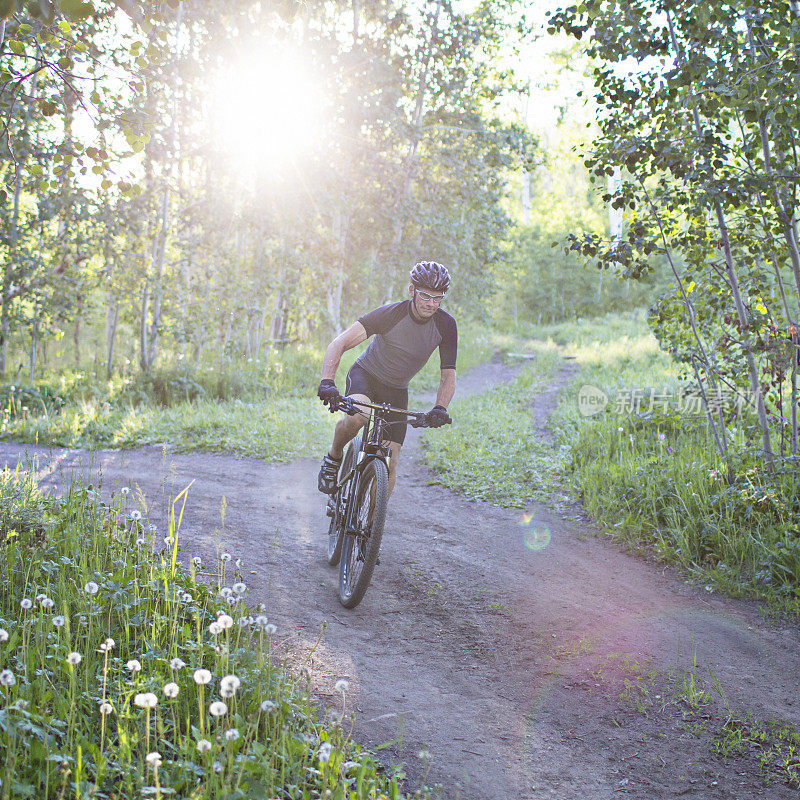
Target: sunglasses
{"type": "Point", "coordinates": [435, 298]}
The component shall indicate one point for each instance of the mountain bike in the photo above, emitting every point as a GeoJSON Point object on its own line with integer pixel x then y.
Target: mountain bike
{"type": "Point", "coordinates": [357, 507]}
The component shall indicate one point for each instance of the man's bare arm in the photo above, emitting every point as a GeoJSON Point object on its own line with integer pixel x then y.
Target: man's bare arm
{"type": "Point", "coordinates": [447, 387]}
{"type": "Point", "coordinates": [346, 340]}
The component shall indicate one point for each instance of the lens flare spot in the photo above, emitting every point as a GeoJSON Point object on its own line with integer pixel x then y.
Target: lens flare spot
{"type": "Point", "coordinates": [537, 537]}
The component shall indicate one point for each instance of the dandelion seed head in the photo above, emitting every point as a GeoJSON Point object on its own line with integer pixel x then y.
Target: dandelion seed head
{"type": "Point", "coordinates": [153, 759]}
{"type": "Point", "coordinates": [261, 620]}
{"type": "Point", "coordinates": [124, 491]}
{"type": "Point", "coordinates": [325, 750]}
{"type": "Point", "coordinates": [133, 665]}
{"type": "Point", "coordinates": [91, 588]}
{"type": "Point", "coordinates": [187, 598]}
{"type": "Point", "coordinates": [267, 706]}
{"type": "Point", "coordinates": [107, 645]}
{"type": "Point", "coordinates": [202, 677]}
{"type": "Point", "coordinates": [342, 685]}
{"type": "Point", "coordinates": [203, 746]}
{"type": "Point", "coordinates": [177, 663]}
{"type": "Point", "coordinates": [145, 700]}
{"type": "Point", "coordinates": [74, 659]}
{"type": "Point", "coordinates": [3, 635]}
{"type": "Point", "coordinates": [232, 600]}
{"type": "Point", "coordinates": [7, 678]}
{"type": "Point", "coordinates": [136, 515]}
{"type": "Point", "coordinates": [231, 734]}
{"type": "Point", "coordinates": [217, 767]}
{"type": "Point", "coordinates": [239, 588]}
{"type": "Point", "coordinates": [48, 602]}
{"type": "Point", "coordinates": [225, 592]}
{"type": "Point", "coordinates": [171, 689]}
{"type": "Point", "coordinates": [225, 621]}
{"type": "Point", "coordinates": [225, 558]}
{"type": "Point", "coordinates": [217, 708]}
{"type": "Point", "coordinates": [228, 685]}
{"type": "Point", "coordinates": [215, 628]}
{"type": "Point", "coordinates": [270, 628]}
{"type": "Point", "coordinates": [198, 562]}
{"type": "Point", "coordinates": [26, 603]}
{"type": "Point", "coordinates": [238, 563]}
{"type": "Point", "coordinates": [168, 540]}
{"type": "Point", "coordinates": [40, 597]}
{"type": "Point", "coordinates": [243, 622]}
{"type": "Point", "coordinates": [105, 709]}
{"type": "Point", "coordinates": [424, 754]}
{"type": "Point", "coordinates": [140, 540]}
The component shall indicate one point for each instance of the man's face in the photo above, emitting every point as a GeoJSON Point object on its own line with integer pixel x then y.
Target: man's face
{"type": "Point", "coordinates": [426, 301]}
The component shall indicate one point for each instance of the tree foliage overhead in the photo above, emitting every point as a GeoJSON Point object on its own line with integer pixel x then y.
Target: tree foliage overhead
{"type": "Point", "coordinates": [158, 184]}
{"type": "Point", "coordinates": [699, 110]}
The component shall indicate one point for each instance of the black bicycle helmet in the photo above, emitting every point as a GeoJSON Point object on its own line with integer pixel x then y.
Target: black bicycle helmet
{"type": "Point", "coordinates": [430, 275]}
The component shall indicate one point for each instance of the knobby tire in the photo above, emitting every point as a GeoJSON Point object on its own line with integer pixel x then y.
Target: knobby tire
{"type": "Point", "coordinates": [336, 528]}
{"type": "Point", "coordinates": [360, 552]}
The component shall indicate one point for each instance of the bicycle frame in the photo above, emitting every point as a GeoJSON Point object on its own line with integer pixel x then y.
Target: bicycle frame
{"type": "Point", "coordinates": [372, 446]}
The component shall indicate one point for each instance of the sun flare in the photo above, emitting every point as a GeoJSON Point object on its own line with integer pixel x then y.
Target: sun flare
{"type": "Point", "coordinates": [267, 112]}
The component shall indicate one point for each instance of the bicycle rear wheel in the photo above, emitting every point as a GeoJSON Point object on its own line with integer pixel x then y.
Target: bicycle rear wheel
{"type": "Point", "coordinates": [360, 549]}
{"type": "Point", "coordinates": [336, 528]}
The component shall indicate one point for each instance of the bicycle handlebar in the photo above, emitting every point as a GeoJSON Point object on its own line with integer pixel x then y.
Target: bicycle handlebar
{"type": "Point", "coordinates": [418, 419]}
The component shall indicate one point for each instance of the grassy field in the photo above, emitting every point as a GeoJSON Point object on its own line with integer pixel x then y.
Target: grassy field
{"type": "Point", "coordinates": [123, 675]}
{"type": "Point", "coordinates": [267, 410]}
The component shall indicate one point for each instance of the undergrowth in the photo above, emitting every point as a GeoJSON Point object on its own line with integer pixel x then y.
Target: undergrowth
{"type": "Point", "coordinates": [122, 675]}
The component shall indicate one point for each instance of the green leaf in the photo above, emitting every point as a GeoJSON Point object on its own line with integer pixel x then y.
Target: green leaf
{"type": "Point", "coordinates": [16, 47]}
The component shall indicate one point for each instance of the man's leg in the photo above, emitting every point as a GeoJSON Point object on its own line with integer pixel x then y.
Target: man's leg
{"type": "Point", "coordinates": [346, 428]}
{"type": "Point", "coordinates": [394, 449]}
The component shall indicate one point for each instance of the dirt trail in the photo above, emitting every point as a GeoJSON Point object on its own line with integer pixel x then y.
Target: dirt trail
{"type": "Point", "coordinates": [498, 642]}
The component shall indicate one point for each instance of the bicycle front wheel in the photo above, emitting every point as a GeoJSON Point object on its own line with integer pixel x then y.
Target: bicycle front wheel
{"type": "Point", "coordinates": [336, 528]}
{"type": "Point", "coordinates": [360, 548]}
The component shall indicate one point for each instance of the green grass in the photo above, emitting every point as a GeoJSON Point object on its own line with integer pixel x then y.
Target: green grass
{"type": "Point", "coordinates": [492, 451]}
{"type": "Point", "coordinates": [100, 643]}
{"type": "Point", "coordinates": [267, 410]}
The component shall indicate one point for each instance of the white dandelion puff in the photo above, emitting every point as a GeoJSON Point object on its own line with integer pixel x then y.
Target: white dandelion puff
{"type": "Point", "coordinates": [136, 515]}
{"type": "Point", "coordinates": [243, 622]}
{"type": "Point", "coordinates": [215, 628]}
{"type": "Point", "coordinates": [145, 700]}
{"type": "Point", "coordinates": [187, 598]}
{"type": "Point", "coordinates": [171, 689]}
{"type": "Point", "coordinates": [342, 685]}
{"type": "Point", "coordinates": [325, 750]}
{"type": "Point", "coordinates": [202, 677]}
{"type": "Point", "coordinates": [270, 629]}
{"type": "Point", "coordinates": [198, 562]}
{"type": "Point", "coordinates": [91, 588]}
{"type": "Point", "coordinates": [238, 563]}
{"type": "Point", "coordinates": [225, 592]}
{"type": "Point", "coordinates": [74, 659]}
{"type": "Point", "coordinates": [41, 597]}
{"type": "Point", "coordinates": [261, 620]}
{"type": "Point", "coordinates": [177, 663]}
{"type": "Point", "coordinates": [106, 709]}
{"type": "Point", "coordinates": [232, 600]}
{"type": "Point", "coordinates": [231, 734]}
{"type": "Point", "coordinates": [225, 558]}
{"type": "Point", "coordinates": [217, 708]}
{"type": "Point", "coordinates": [228, 685]}
{"type": "Point", "coordinates": [26, 603]}
{"type": "Point", "coordinates": [153, 759]}
{"type": "Point", "coordinates": [48, 602]}
{"type": "Point", "coordinates": [107, 645]}
{"type": "Point", "coordinates": [7, 678]}
{"type": "Point", "coordinates": [133, 665]}
{"type": "Point", "coordinates": [267, 706]}
{"type": "Point", "coordinates": [140, 540]}
{"type": "Point", "coordinates": [225, 621]}
{"type": "Point", "coordinates": [424, 754]}
{"type": "Point", "coordinates": [3, 635]}
{"type": "Point", "coordinates": [217, 767]}
{"type": "Point", "coordinates": [239, 588]}
{"type": "Point", "coordinates": [124, 491]}
{"type": "Point", "coordinates": [58, 621]}
{"type": "Point", "coordinates": [203, 746]}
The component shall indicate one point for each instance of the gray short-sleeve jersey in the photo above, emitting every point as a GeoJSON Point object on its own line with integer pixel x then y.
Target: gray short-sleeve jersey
{"type": "Point", "coordinates": [402, 345]}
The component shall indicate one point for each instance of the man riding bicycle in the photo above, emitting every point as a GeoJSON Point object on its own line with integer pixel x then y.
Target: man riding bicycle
{"type": "Point", "coordinates": [406, 334]}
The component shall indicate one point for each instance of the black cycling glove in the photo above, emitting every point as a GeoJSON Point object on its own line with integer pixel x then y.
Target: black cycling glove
{"type": "Point", "coordinates": [437, 417]}
{"type": "Point", "coordinates": [328, 393]}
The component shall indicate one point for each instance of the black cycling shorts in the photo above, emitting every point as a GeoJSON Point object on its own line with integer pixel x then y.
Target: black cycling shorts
{"type": "Point", "coordinates": [359, 381]}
